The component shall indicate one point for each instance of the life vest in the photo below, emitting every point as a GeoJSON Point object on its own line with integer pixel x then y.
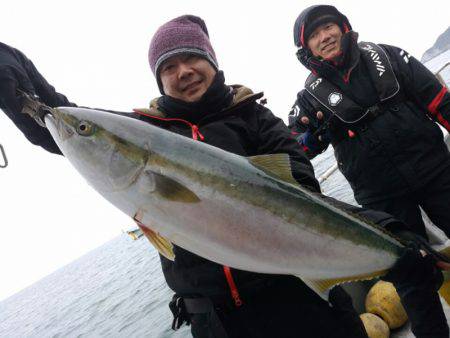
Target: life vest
{"type": "Point", "coordinates": [343, 107]}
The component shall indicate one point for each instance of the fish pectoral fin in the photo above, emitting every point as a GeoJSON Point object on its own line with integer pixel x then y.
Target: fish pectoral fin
{"type": "Point", "coordinates": [275, 165]}
{"type": "Point", "coordinates": [160, 243]}
{"type": "Point", "coordinates": [444, 291]}
{"type": "Point", "coordinates": [171, 190]}
{"type": "Point", "coordinates": [323, 286]}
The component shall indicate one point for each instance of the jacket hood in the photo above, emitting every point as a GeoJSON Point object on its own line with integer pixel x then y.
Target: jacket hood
{"type": "Point", "coordinates": [311, 17]}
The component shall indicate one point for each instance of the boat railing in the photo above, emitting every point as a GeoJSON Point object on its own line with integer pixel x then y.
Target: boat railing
{"type": "Point", "coordinates": [439, 76]}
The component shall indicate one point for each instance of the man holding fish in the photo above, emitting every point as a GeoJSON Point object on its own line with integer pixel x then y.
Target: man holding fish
{"type": "Point", "coordinates": [231, 265]}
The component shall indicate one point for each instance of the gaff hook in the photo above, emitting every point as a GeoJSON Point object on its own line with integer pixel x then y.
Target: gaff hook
{"type": "Point", "coordinates": [5, 159]}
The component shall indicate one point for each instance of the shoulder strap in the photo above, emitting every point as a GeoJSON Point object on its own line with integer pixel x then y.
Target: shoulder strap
{"type": "Point", "coordinates": [340, 105]}
{"type": "Point", "coordinates": [332, 98]}
{"type": "Point", "coordinates": [380, 70]}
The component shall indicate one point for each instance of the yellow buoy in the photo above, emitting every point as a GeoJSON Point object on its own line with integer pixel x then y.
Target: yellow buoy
{"type": "Point", "coordinates": [375, 326]}
{"type": "Point", "coordinates": [384, 301]}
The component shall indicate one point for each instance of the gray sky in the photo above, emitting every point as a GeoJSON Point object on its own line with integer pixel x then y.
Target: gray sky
{"type": "Point", "coordinates": [95, 52]}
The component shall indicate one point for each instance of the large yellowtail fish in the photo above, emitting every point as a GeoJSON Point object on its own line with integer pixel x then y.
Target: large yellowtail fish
{"type": "Point", "coordinates": [244, 212]}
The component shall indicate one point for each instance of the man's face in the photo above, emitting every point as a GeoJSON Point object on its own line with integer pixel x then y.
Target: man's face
{"type": "Point", "coordinates": [186, 77]}
{"type": "Point", "coordinates": [325, 41]}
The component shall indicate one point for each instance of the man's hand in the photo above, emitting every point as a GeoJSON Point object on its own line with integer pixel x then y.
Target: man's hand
{"type": "Point", "coordinates": [415, 269]}
{"type": "Point", "coordinates": [17, 72]}
{"type": "Point", "coordinates": [315, 137]}
{"type": "Point", "coordinates": [417, 279]}
{"type": "Point", "coordinates": [305, 119]}
{"type": "Point", "coordinates": [312, 122]}
{"type": "Point", "coordinates": [14, 74]}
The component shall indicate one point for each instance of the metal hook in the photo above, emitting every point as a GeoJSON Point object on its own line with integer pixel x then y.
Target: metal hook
{"type": "Point", "coordinates": [5, 159]}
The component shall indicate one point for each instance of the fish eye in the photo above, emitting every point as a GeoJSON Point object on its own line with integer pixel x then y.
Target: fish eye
{"type": "Point", "coordinates": [85, 128]}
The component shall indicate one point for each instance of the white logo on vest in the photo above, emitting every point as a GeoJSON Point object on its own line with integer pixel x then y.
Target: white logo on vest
{"type": "Point", "coordinates": [315, 83]}
{"type": "Point", "coordinates": [334, 99]}
{"type": "Point", "coordinates": [405, 56]}
{"type": "Point", "coordinates": [376, 59]}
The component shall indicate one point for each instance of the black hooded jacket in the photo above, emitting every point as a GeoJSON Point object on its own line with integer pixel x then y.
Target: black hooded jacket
{"type": "Point", "coordinates": [399, 150]}
{"type": "Point", "coordinates": [238, 124]}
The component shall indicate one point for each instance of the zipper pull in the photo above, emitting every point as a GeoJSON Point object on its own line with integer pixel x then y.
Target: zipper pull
{"type": "Point", "coordinates": [236, 297]}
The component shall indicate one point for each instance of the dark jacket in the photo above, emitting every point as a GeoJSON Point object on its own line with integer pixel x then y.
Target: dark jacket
{"type": "Point", "coordinates": [245, 128]}
{"type": "Point", "coordinates": [16, 70]}
{"type": "Point", "coordinates": [399, 150]}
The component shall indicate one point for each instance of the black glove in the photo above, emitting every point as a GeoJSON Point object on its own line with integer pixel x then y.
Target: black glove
{"type": "Point", "coordinates": [413, 269]}
{"type": "Point", "coordinates": [314, 134]}
{"type": "Point", "coordinates": [400, 230]}
{"type": "Point", "coordinates": [315, 143]}
{"type": "Point", "coordinates": [345, 312]}
{"type": "Point", "coordinates": [17, 72]}
{"type": "Point", "coordinates": [338, 297]}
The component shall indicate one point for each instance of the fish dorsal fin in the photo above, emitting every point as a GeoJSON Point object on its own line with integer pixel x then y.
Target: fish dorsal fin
{"type": "Point", "coordinates": [275, 165]}
{"type": "Point", "coordinates": [171, 190]}
{"type": "Point", "coordinates": [323, 286]}
{"type": "Point", "coordinates": [161, 244]}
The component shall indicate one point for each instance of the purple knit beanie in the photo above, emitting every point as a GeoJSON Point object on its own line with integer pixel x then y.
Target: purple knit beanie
{"type": "Point", "coordinates": [185, 34]}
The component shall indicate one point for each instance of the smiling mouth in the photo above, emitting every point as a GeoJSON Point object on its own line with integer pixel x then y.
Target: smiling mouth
{"type": "Point", "coordinates": [329, 46]}
{"type": "Point", "coordinates": [192, 85]}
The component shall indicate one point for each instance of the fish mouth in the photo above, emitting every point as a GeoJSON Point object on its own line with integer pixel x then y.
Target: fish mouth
{"type": "Point", "coordinates": [57, 126]}
{"type": "Point", "coordinates": [49, 120]}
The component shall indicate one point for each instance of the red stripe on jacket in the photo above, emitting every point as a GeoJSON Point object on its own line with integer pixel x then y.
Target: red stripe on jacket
{"type": "Point", "coordinates": [433, 108]}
